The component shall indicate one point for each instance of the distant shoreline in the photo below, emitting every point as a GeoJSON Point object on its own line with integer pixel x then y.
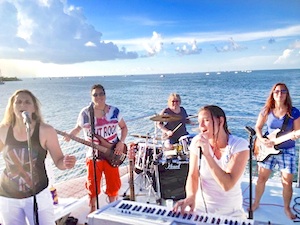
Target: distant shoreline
{"type": "Point", "coordinates": [10, 79]}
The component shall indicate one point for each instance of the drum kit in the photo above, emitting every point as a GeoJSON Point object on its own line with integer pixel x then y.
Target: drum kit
{"type": "Point", "coordinates": [149, 155]}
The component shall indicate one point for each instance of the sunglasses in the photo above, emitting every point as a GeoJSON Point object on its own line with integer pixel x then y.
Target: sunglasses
{"type": "Point", "coordinates": [99, 94]}
{"type": "Point", "coordinates": [280, 91]}
{"type": "Point", "coordinates": [174, 101]}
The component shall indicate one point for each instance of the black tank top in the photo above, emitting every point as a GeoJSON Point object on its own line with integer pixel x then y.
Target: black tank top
{"type": "Point", "coordinates": [16, 180]}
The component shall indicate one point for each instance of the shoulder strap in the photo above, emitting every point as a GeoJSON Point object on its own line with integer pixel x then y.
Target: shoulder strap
{"type": "Point", "coordinates": [285, 122]}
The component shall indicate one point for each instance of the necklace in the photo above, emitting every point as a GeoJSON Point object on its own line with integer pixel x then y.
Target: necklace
{"type": "Point", "coordinates": [102, 111]}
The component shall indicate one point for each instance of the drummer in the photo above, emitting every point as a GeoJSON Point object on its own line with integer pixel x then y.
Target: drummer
{"type": "Point", "coordinates": [174, 126]}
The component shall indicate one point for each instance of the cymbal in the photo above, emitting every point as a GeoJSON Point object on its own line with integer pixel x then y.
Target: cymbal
{"type": "Point", "coordinates": [165, 118]}
{"type": "Point", "coordinates": [140, 136]}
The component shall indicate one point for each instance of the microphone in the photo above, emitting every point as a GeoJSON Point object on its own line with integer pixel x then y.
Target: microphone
{"type": "Point", "coordinates": [250, 130]}
{"type": "Point", "coordinates": [26, 117]}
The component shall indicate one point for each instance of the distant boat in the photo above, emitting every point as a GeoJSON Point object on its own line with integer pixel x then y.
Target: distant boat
{"type": "Point", "coordinates": [207, 74]}
{"type": "Point", "coordinates": [162, 76]}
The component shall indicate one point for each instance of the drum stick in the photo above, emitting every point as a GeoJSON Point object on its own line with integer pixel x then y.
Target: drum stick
{"type": "Point", "coordinates": [176, 128]}
{"type": "Point", "coordinates": [164, 136]}
{"type": "Point", "coordinates": [192, 116]}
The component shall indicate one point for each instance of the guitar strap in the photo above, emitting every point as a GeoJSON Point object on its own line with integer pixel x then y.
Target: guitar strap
{"type": "Point", "coordinates": [285, 122]}
{"type": "Point", "coordinates": [283, 128]}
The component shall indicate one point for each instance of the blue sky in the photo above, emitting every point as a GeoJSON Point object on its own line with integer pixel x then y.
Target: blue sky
{"type": "Point", "coordinates": [124, 37]}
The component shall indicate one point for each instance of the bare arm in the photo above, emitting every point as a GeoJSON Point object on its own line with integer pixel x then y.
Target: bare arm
{"type": "Point", "coordinates": [261, 120]}
{"type": "Point", "coordinates": [297, 124]}
{"type": "Point", "coordinates": [193, 177]}
{"type": "Point", "coordinates": [3, 133]}
{"type": "Point", "coordinates": [191, 187]}
{"type": "Point", "coordinates": [124, 130]}
{"type": "Point", "coordinates": [296, 128]}
{"type": "Point", "coordinates": [74, 132]}
{"type": "Point", "coordinates": [235, 169]}
{"type": "Point", "coordinates": [49, 141]}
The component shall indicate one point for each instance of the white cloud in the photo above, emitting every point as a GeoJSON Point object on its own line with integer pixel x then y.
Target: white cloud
{"type": "Point", "coordinates": [290, 55]}
{"type": "Point", "coordinates": [52, 32]}
{"type": "Point", "coordinates": [190, 48]}
{"type": "Point", "coordinates": [284, 57]}
{"type": "Point", "coordinates": [154, 45]}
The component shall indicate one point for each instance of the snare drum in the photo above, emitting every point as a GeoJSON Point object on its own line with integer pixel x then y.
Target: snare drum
{"type": "Point", "coordinates": [185, 141]}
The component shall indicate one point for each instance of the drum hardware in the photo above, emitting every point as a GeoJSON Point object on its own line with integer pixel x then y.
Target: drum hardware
{"type": "Point", "coordinates": [144, 168]}
{"type": "Point", "coordinates": [185, 142]}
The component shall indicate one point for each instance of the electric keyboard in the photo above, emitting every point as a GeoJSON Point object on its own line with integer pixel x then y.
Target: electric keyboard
{"type": "Point", "coordinates": [129, 212]}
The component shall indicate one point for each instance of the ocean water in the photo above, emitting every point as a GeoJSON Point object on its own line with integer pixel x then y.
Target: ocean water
{"type": "Point", "coordinates": [139, 97]}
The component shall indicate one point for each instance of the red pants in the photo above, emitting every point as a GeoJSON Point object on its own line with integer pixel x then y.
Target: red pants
{"type": "Point", "coordinates": [113, 181]}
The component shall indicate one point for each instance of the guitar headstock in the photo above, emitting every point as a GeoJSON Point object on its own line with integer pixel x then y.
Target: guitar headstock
{"type": "Point", "coordinates": [132, 150]}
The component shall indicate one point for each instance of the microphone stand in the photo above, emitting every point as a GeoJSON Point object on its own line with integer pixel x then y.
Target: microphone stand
{"type": "Point", "coordinates": [251, 148]}
{"type": "Point", "coordinates": [35, 206]}
{"type": "Point", "coordinates": [92, 118]}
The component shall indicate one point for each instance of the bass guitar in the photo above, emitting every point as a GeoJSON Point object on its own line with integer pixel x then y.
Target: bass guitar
{"type": "Point", "coordinates": [262, 152]}
{"type": "Point", "coordinates": [104, 151]}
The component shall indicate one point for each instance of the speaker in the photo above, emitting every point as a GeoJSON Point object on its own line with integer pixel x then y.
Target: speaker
{"type": "Point", "coordinates": [172, 180]}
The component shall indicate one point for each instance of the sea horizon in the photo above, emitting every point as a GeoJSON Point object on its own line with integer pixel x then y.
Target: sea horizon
{"type": "Point", "coordinates": [158, 73]}
{"type": "Point", "coordinates": [241, 95]}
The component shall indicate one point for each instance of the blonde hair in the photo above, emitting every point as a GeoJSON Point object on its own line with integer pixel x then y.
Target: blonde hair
{"type": "Point", "coordinates": [9, 115]}
{"type": "Point", "coordinates": [173, 96]}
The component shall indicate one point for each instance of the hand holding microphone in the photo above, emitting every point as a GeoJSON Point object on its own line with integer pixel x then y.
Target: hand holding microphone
{"type": "Point", "coordinates": [203, 145]}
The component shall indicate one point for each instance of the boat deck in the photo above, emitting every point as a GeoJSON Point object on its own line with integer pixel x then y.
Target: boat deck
{"type": "Point", "coordinates": [270, 211]}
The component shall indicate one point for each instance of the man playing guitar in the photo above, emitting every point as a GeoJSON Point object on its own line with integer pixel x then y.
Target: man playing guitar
{"type": "Point", "coordinates": [101, 121]}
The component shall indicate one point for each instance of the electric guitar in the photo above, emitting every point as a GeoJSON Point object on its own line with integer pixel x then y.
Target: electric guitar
{"type": "Point", "coordinates": [261, 152]}
{"type": "Point", "coordinates": [104, 151]}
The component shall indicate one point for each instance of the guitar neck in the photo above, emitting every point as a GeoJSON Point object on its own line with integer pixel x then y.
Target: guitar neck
{"type": "Point", "coordinates": [80, 140]}
{"type": "Point", "coordinates": [285, 137]}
